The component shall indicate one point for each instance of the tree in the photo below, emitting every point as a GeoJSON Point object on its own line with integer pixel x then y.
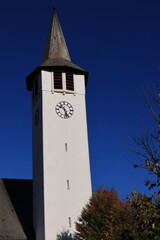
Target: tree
{"type": "Point", "coordinates": [95, 219]}
{"type": "Point", "coordinates": [147, 209]}
{"type": "Point", "coordinates": [105, 217]}
{"type": "Point", "coordinates": [149, 144]}
{"type": "Point", "coordinates": [147, 214]}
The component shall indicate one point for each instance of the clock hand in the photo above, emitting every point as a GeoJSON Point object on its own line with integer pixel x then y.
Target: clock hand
{"type": "Point", "coordinates": [61, 106]}
{"type": "Point", "coordinates": [66, 114]}
{"type": "Point", "coordinates": [65, 111]}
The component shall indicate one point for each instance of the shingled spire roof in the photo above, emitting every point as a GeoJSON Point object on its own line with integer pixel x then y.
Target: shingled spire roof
{"type": "Point", "coordinates": [56, 45]}
{"type": "Point", "coordinates": [56, 56]}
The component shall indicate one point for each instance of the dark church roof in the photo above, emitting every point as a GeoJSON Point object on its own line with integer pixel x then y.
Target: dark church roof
{"type": "Point", "coordinates": [16, 220]}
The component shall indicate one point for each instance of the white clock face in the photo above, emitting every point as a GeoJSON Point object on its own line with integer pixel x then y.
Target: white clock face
{"type": "Point", "coordinates": [64, 109]}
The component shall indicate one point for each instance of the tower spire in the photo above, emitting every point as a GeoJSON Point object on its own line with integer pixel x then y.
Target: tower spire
{"type": "Point", "coordinates": [56, 47]}
{"type": "Point", "coordinates": [56, 55]}
{"type": "Point", "coordinates": [54, 5]}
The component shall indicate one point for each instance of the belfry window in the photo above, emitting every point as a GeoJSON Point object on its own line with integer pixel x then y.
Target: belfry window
{"type": "Point", "coordinates": [58, 80]}
{"type": "Point", "coordinates": [69, 82]}
{"type": "Point", "coordinates": [63, 82]}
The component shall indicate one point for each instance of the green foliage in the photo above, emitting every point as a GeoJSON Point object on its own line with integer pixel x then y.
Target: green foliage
{"type": "Point", "coordinates": [146, 212]}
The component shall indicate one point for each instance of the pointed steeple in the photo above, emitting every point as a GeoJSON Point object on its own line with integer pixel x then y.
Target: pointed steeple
{"type": "Point", "coordinates": [56, 55]}
{"type": "Point", "coordinates": [56, 45]}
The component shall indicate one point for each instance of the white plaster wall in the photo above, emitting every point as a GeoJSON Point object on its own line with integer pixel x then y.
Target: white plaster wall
{"type": "Point", "coordinates": [58, 165]}
{"type": "Point", "coordinates": [79, 84]}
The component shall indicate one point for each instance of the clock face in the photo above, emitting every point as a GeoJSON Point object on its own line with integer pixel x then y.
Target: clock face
{"type": "Point", "coordinates": [64, 109]}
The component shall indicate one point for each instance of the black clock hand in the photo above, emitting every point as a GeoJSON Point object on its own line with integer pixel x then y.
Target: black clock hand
{"type": "Point", "coordinates": [66, 114]}
{"type": "Point", "coordinates": [65, 111]}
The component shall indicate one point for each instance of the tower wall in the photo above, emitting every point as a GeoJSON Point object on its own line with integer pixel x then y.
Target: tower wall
{"type": "Point", "coordinates": [61, 167]}
{"type": "Point", "coordinates": [37, 152]}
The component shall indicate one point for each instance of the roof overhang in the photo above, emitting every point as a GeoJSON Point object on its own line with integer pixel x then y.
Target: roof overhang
{"type": "Point", "coordinates": [61, 65]}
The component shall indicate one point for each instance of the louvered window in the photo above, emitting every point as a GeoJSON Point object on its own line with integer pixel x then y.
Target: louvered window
{"type": "Point", "coordinates": [63, 82]}
{"type": "Point", "coordinates": [58, 80]}
{"type": "Point", "coordinates": [69, 82]}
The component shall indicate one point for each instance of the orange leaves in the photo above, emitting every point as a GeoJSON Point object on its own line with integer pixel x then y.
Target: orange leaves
{"type": "Point", "coordinates": [97, 217]}
{"type": "Point", "coordinates": [157, 164]}
{"type": "Point", "coordinates": [105, 217]}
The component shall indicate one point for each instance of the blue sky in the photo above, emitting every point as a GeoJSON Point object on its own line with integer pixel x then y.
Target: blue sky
{"type": "Point", "coordinates": [118, 42]}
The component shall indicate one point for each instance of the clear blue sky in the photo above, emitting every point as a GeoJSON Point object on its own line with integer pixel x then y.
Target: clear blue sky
{"type": "Point", "coordinates": [118, 42]}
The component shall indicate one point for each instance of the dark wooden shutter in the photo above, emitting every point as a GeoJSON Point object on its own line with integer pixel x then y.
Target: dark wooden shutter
{"type": "Point", "coordinates": [69, 82]}
{"type": "Point", "coordinates": [58, 80]}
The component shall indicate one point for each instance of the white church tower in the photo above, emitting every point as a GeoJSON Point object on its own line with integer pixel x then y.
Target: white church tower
{"type": "Point", "coordinates": [61, 170]}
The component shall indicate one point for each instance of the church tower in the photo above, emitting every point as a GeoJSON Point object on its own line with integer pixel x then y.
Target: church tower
{"type": "Point", "coordinates": [61, 170]}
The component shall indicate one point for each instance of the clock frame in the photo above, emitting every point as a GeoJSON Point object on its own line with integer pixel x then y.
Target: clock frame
{"type": "Point", "coordinates": [64, 109]}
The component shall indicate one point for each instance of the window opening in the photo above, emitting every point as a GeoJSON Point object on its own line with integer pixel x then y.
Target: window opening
{"type": "Point", "coordinates": [63, 82]}
{"type": "Point", "coordinates": [68, 187]}
{"type": "Point", "coordinates": [70, 223]}
{"type": "Point", "coordinates": [58, 80]}
{"type": "Point", "coordinates": [69, 82]}
{"type": "Point", "coordinates": [66, 147]}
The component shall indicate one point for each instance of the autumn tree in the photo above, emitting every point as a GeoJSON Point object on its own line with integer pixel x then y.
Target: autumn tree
{"type": "Point", "coordinates": [105, 217]}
